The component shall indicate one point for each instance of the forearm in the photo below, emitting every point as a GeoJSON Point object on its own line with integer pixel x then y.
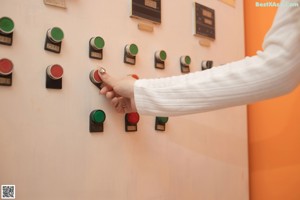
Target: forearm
{"type": "Point", "coordinates": [226, 86]}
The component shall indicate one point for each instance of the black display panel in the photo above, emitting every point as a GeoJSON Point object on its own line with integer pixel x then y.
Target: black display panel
{"type": "Point", "coordinates": [204, 21]}
{"type": "Point", "coordinates": [147, 9]}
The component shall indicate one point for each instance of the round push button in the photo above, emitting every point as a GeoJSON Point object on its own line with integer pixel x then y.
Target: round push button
{"type": "Point", "coordinates": [55, 71]}
{"type": "Point", "coordinates": [133, 118]}
{"type": "Point", "coordinates": [161, 55]}
{"type": "Point", "coordinates": [162, 120]}
{"type": "Point", "coordinates": [206, 64]}
{"type": "Point", "coordinates": [56, 34]}
{"type": "Point", "coordinates": [95, 77]}
{"type": "Point", "coordinates": [6, 25]}
{"type": "Point", "coordinates": [185, 60]}
{"type": "Point", "coordinates": [98, 116]}
{"type": "Point", "coordinates": [97, 42]}
{"type": "Point", "coordinates": [132, 49]}
{"type": "Point", "coordinates": [6, 66]}
{"type": "Point", "coordinates": [135, 76]}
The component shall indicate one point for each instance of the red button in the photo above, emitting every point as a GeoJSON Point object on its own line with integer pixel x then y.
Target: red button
{"type": "Point", "coordinates": [135, 76]}
{"type": "Point", "coordinates": [6, 66]}
{"type": "Point", "coordinates": [133, 118]}
{"type": "Point", "coordinates": [55, 71]}
{"type": "Point", "coordinates": [96, 76]}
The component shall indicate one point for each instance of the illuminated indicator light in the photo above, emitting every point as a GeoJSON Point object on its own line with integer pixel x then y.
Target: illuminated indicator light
{"type": "Point", "coordinates": [133, 118]}
{"type": "Point", "coordinates": [56, 34]}
{"type": "Point", "coordinates": [6, 66]}
{"type": "Point", "coordinates": [6, 25]}
{"type": "Point", "coordinates": [132, 49]}
{"type": "Point", "coordinates": [97, 42]}
{"type": "Point", "coordinates": [98, 116]}
{"type": "Point", "coordinates": [55, 71]}
{"type": "Point", "coordinates": [161, 55]}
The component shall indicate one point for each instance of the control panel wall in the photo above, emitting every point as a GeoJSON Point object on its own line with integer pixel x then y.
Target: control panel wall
{"type": "Point", "coordinates": [47, 148]}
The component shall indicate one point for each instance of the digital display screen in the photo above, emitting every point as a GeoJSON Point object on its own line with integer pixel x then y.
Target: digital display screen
{"type": "Point", "coordinates": [147, 9]}
{"type": "Point", "coordinates": [204, 21]}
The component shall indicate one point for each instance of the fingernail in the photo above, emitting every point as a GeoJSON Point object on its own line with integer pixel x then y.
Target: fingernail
{"type": "Point", "coordinates": [102, 70]}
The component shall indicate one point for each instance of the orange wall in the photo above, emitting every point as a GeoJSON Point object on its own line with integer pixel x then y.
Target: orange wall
{"type": "Point", "coordinates": [274, 126]}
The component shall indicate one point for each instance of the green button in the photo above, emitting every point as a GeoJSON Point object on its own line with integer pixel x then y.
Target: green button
{"type": "Point", "coordinates": [163, 55]}
{"type": "Point", "coordinates": [98, 42]}
{"type": "Point", "coordinates": [187, 60]}
{"type": "Point", "coordinates": [98, 116]}
{"type": "Point", "coordinates": [133, 49]}
{"type": "Point", "coordinates": [57, 34]}
{"type": "Point", "coordinates": [162, 120]}
{"type": "Point", "coordinates": [6, 25]}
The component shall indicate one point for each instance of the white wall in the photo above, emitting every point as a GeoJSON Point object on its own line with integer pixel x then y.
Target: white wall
{"type": "Point", "coordinates": [45, 144]}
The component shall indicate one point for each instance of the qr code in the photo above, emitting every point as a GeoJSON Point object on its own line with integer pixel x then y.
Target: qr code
{"type": "Point", "coordinates": [8, 191]}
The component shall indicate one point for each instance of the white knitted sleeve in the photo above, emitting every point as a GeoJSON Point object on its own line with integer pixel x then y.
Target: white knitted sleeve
{"type": "Point", "coordinates": [272, 72]}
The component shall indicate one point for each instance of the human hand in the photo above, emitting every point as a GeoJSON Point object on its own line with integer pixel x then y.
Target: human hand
{"type": "Point", "coordinates": [118, 91]}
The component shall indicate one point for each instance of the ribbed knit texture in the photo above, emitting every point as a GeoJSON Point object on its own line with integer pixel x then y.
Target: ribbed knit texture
{"type": "Point", "coordinates": [272, 72]}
